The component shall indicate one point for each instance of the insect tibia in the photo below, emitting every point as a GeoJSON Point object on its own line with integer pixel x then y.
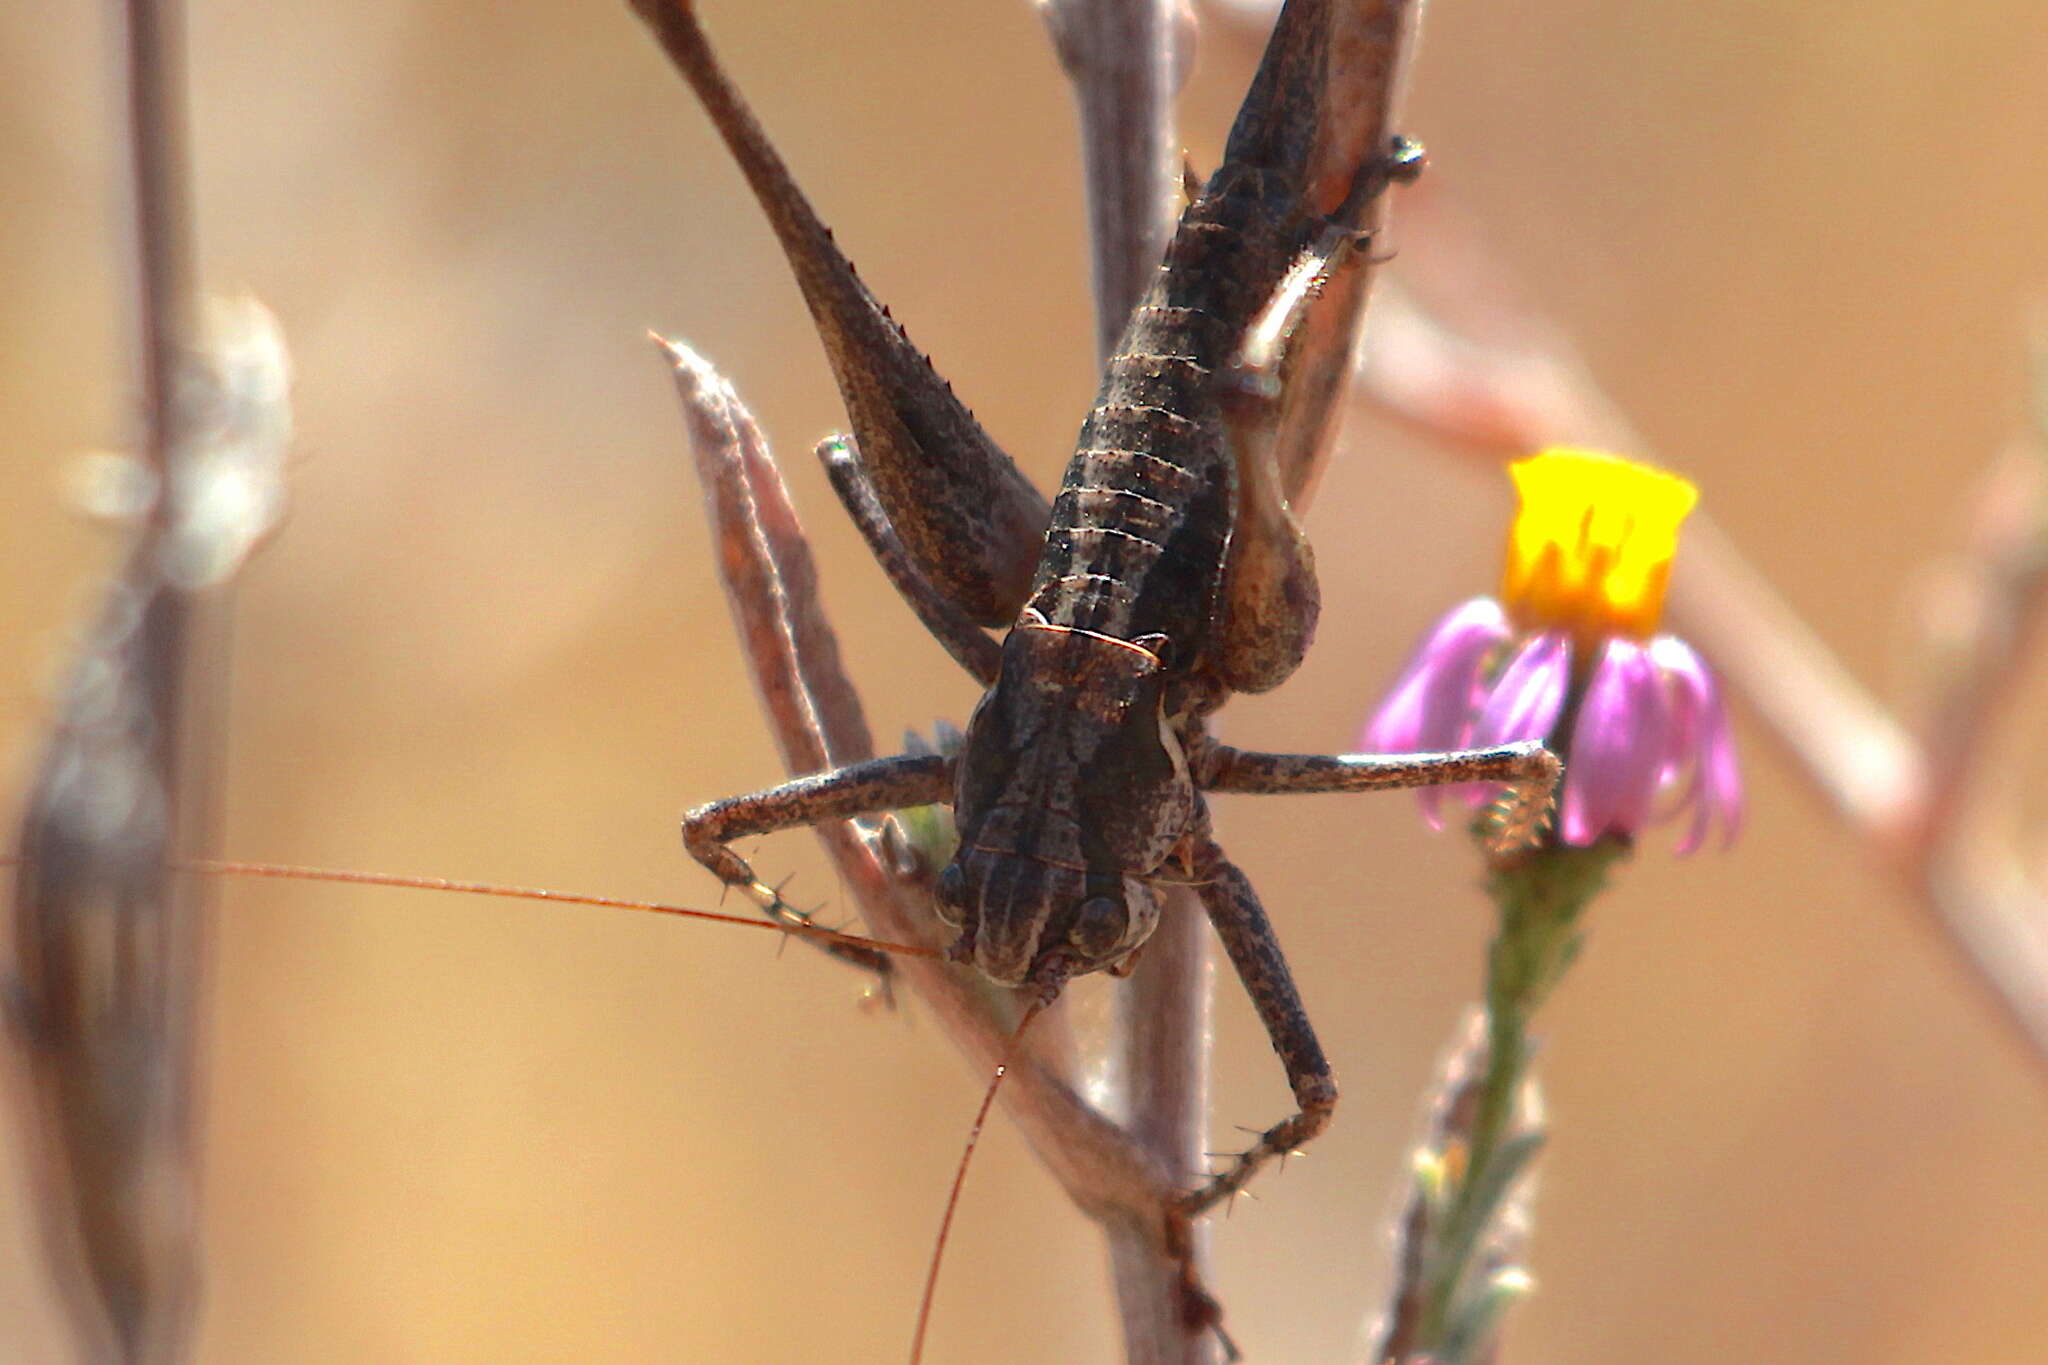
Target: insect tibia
{"type": "Point", "coordinates": [734, 871]}
{"type": "Point", "coordinates": [847, 949]}
{"type": "Point", "coordinates": [863, 789]}
{"type": "Point", "coordinates": [967, 519]}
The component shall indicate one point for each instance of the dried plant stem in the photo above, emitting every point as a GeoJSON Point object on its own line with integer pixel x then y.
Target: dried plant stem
{"type": "Point", "coordinates": [770, 585]}
{"type": "Point", "coordinates": [1124, 58]}
{"type": "Point", "coordinates": [108, 939]}
{"type": "Point", "coordinates": [155, 107]}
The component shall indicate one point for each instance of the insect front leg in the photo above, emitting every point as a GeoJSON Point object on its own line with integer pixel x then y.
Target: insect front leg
{"type": "Point", "coordinates": [1247, 935]}
{"type": "Point", "coordinates": [1531, 772]}
{"type": "Point", "coordinates": [881, 784]}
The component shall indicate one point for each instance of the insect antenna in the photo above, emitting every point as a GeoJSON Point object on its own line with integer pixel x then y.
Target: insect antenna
{"type": "Point", "coordinates": [988, 1099]}
{"type": "Point", "coordinates": [287, 872]}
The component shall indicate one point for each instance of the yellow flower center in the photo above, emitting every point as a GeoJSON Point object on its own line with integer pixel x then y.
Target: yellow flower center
{"type": "Point", "coordinates": [1591, 547]}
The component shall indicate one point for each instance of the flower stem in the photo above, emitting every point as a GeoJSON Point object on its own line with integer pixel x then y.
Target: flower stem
{"type": "Point", "coordinates": [1467, 1270]}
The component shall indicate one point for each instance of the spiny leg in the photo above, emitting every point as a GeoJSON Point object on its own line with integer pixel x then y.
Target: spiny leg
{"type": "Point", "coordinates": [968, 518]}
{"type": "Point", "coordinates": [1531, 772]}
{"type": "Point", "coordinates": [880, 784]}
{"type": "Point", "coordinates": [973, 648]}
{"type": "Point", "coordinates": [1247, 935]}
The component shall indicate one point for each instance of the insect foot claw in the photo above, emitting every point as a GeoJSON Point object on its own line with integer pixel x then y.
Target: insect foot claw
{"type": "Point", "coordinates": [1199, 1310]}
{"type": "Point", "coordinates": [1282, 1140]}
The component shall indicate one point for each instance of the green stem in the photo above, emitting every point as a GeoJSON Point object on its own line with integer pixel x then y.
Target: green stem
{"type": "Point", "coordinates": [1541, 896]}
{"type": "Point", "coordinates": [1507, 1044]}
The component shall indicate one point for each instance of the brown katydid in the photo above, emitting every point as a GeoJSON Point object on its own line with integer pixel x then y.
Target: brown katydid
{"type": "Point", "coordinates": [1167, 574]}
{"type": "Point", "coordinates": [942, 606]}
{"type": "Point", "coordinates": [937, 605]}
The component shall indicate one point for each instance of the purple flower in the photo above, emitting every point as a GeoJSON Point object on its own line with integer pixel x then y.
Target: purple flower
{"type": "Point", "coordinates": [1639, 721]}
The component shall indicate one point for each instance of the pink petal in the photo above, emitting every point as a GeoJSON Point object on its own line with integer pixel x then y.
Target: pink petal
{"type": "Point", "coordinates": [1525, 700]}
{"type": "Point", "coordinates": [1702, 745]}
{"type": "Point", "coordinates": [1428, 708]}
{"type": "Point", "coordinates": [1681, 774]}
{"type": "Point", "coordinates": [1619, 742]}
{"type": "Point", "coordinates": [1723, 793]}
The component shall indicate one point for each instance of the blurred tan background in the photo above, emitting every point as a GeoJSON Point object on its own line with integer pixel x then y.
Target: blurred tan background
{"type": "Point", "coordinates": [1800, 241]}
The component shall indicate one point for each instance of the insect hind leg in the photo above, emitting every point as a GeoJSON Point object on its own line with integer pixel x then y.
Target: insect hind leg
{"type": "Point", "coordinates": [973, 648]}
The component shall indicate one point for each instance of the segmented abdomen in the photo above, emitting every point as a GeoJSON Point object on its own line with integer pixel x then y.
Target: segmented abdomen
{"type": "Point", "coordinates": [1142, 520]}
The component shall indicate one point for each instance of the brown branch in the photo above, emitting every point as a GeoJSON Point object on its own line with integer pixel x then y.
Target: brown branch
{"type": "Point", "coordinates": [106, 939]}
{"type": "Point", "coordinates": [1125, 59]}
{"type": "Point", "coordinates": [161, 242]}
{"type": "Point", "coordinates": [1980, 643]}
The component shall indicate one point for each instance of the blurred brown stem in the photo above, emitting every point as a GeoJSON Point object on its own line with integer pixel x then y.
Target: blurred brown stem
{"type": "Point", "coordinates": [1125, 59]}
{"type": "Point", "coordinates": [156, 151]}
{"type": "Point", "coordinates": [107, 940]}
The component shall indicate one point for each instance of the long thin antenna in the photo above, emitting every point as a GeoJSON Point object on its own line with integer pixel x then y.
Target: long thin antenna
{"type": "Point", "coordinates": [988, 1099]}
{"type": "Point", "coordinates": [215, 867]}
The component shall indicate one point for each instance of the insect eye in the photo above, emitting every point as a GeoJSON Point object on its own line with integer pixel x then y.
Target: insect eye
{"type": "Point", "coordinates": [1099, 928]}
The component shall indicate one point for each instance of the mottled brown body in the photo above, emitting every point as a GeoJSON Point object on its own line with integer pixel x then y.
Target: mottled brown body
{"type": "Point", "coordinates": [1074, 792]}
{"type": "Point", "coordinates": [1170, 571]}
{"type": "Point", "coordinates": [1142, 522]}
